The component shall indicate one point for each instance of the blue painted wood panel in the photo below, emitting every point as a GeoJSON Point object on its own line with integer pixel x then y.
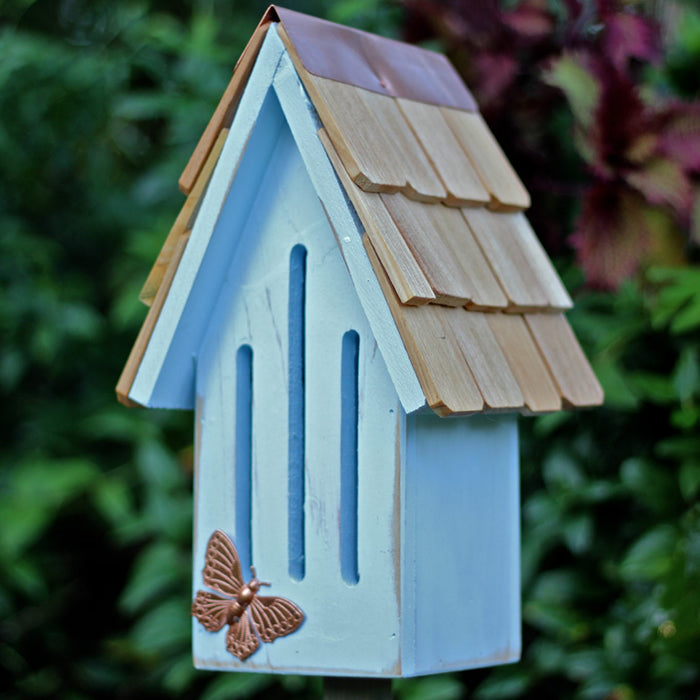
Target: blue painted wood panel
{"type": "Point", "coordinates": [351, 628]}
{"type": "Point", "coordinates": [461, 570]}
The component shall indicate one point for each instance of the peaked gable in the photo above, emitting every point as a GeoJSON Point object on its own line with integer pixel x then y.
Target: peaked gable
{"type": "Point", "coordinates": [477, 303]}
{"type": "Point", "coordinates": [161, 368]}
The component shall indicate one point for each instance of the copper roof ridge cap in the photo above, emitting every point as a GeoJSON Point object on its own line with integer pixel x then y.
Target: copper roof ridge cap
{"type": "Point", "coordinates": [273, 9]}
{"type": "Point", "coordinates": [374, 62]}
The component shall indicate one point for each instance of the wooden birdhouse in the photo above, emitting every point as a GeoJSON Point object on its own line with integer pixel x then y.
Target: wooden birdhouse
{"type": "Point", "coordinates": [355, 307]}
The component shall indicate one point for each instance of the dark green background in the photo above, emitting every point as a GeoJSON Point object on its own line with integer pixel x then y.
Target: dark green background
{"type": "Point", "coordinates": [100, 105]}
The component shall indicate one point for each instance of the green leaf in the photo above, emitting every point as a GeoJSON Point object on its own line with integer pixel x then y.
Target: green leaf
{"type": "Point", "coordinates": [561, 471]}
{"type": "Point", "coordinates": [181, 675]}
{"type": "Point", "coordinates": [578, 533]}
{"type": "Point", "coordinates": [680, 447]}
{"type": "Point", "coordinates": [580, 86]}
{"type": "Point", "coordinates": [560, 586]}
{"type": "Point", "coordinates": [508, 684]}
{"type": "Point", "coordinates": [550, 423]}
{"type": "Point", "coordinates": [652, 387]}
{"type": "Point", "coordinates": [440, 687]}
{"type": "Point", "coordinates": [619, 391]}
{"type": "Point", "coordinates": [688, 318]}
{"type": "Point", "coordinates": [51, 482]}
{"type": "Point", "coordinates": [686, 374]}
{"type": "Point", "coordinates": [113, 500]}
{"type": "Point", "coordinates": [563, 621]}
{"type": "Point", "coordinates": [26, 577]}
{"type": "Point", "coordinates": [37, 489]}
{"type": "Point", "coordinates": [686, 417]}
{"type": "Point", "coordinates": [546, 656]}
{"type": "Point", "coordinates": [158, 570]}
{"type": "Point", "coordinates": [585, 664]}
{"type": "Point", "coordinates": [165, 629]}
{"type": "Point", "coordinates": [651, 484]}
{"type": "Point", "coordinates": [689, 479]}
{"type": "Point", "coordinates": [678, 300]}
{"type": "Point", "coordinates": [236, 685]}
{"type": "Point", "coordinates": [650, 556]}
{"type": "Point", "coordinates": [158, 466]}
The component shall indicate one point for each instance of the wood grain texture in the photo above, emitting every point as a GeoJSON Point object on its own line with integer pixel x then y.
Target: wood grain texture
{"type": "Point", "coordinates": [464, 187]}
{"type": "Point", "coordinates": [567, 364]}
{"type": "Point", "coordinates": [449, 230]}
{"type": "Point", "coordinates": [421, 181]}
{"type": "Point", "coordinates": [499, 238]}
{"type": "Point", "coordinates": [482, 353]}
{"type": "Point", "coordinates": [357, 135]}
{"type": "Point", "coordinates": [446, 380]}
{"type": "Point", "coordinates": [139, 348]}
{"type": "Point", "coordinates": [183, 223]}
{"type": "Point", "coordinates": [497, 174]}
{"type": "Point", "coordinates": [527, 365]}
{"type": "Point", "coordinates": [539, 262]}
{"type": "Point", "coordinates": [407, 277]}
{"type": "Point", "coordinates": [446, 276]}
{"type": "Point", "coordinates": [445, 248]}
{"type": "Point", "coordinates": [224, 111]}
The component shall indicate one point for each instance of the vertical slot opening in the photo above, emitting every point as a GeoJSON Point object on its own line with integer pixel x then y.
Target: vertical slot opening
{"type": "Point", "coordinates": [297, 408]}
{"type": "Point", "coordinates": [348, 457]}
{"type": "Point", "coordinates": [244, 454]}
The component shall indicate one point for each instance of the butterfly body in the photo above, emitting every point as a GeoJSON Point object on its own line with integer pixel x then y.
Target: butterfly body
{"type": "Point", "coordinates": [244, 598]}
{"type": "Point", "coordinates": [250, 617]}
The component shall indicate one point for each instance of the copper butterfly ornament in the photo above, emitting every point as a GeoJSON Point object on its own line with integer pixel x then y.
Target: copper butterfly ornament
{"type": "Point", "coordinates": [251, 618]}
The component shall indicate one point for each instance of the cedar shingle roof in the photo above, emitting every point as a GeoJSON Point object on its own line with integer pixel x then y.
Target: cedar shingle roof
{"type": "Point", "coordinates": [475, 298]}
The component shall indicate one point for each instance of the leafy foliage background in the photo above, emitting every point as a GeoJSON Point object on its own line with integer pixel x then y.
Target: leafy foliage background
{"type": "Point", "coordinates": [101, 104]}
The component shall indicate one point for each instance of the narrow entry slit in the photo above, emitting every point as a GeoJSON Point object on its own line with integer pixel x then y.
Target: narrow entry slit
{"type": "Point", "coordinates": [348, 457]}
{"type": "Point", "coordinates": [297, 409]}
{"type": "Point", "coordinates": [244, 454]}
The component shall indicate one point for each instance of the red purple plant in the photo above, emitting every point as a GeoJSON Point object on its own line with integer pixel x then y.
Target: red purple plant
{"type": "Point", "coordinates": [629, 158]}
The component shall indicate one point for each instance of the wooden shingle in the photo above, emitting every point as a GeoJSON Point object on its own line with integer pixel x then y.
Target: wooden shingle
{"type": "Point", "coordinates": [464, 187]}
{"type": "Point", "coordinates": [489, 161]}
{"type": "Point", "coordinates": [565, 360]}
{"type": "Point", "coordinates": [408, 279]}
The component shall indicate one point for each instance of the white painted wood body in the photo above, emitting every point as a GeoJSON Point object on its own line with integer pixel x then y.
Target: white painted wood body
{"type": "Point", "coordinates": [436, 499]}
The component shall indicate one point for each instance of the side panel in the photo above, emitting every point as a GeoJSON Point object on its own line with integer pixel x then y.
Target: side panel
{"type": "Point", "coordinates": [350, 629]}
{"type": "Point", "coordinates": [461, 573]}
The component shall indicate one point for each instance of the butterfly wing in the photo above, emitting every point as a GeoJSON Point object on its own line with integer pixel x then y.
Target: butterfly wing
{"type": "Point", "coordinates": [240, 638]}
{"type": "Point", "coordinates": [274, 617]}
{"type": "Point", "coordinates": [222, 566]}
{"type": "Point", "coordinates": [211, 610]}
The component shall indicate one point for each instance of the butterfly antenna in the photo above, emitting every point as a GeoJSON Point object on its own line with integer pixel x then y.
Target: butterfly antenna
{"type": "Point", "coordinates": [255, 576]}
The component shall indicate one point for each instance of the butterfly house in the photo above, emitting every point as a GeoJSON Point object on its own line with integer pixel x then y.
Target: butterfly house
{"type": "Point", "coordinates": [356, 309]}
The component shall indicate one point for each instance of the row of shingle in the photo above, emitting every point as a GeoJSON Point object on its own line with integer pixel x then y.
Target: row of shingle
{"type": "Point", "coordinates": [468, 360]}
{"type": "Point", "coordinates": [455, 256]}
{"type": "Point", "coordinates": [471, 361]}
{"type": "Point", "coordinates": [429, 153]}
